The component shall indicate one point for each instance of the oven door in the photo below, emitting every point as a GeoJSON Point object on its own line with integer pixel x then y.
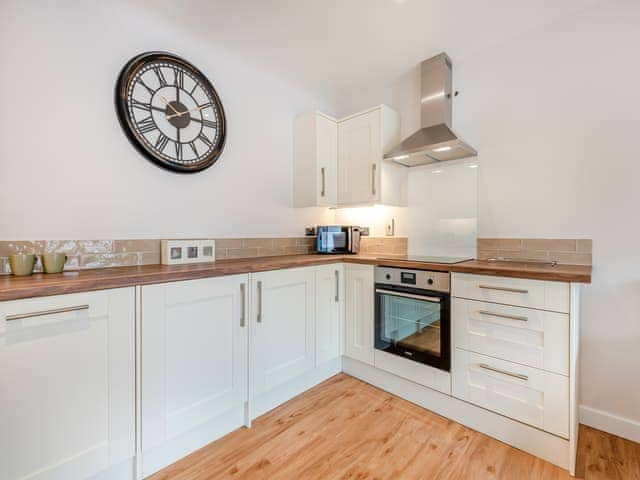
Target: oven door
{"type": "Point", "coordinates": [414, 324]}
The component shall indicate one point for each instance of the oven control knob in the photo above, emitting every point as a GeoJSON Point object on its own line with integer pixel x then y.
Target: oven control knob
{"type": "Point", "coordinates": [388, 276]}
{"type": "Point", "coordinates": [430, 281]}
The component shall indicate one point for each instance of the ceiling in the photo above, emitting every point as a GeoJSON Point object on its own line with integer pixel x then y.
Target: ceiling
{"type": "Point", "coordinates": [334, 46]}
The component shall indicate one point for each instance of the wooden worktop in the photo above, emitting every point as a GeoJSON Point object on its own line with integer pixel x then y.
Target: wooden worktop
{"type": "Point", "coordinates": [39, 285]}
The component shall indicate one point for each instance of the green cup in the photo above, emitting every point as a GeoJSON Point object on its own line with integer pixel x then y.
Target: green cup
{"type": "Point", "coordinates": [22, 263]}
{"type": "Point", "coordinates": [53, 262]}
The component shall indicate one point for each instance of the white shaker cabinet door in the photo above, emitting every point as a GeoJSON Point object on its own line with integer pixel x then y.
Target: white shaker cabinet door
{"type": "Point", "coordinates": [67, 386]}
{"type": "Point", "coordinates": [329, 311]}
{"type": "Point", "coordinates": [194, 364]}
{"type": "Point", "coordinates": [359, 158]}
{"type": "Point", "coordinates": [283, 342]}
{"type": "Point", "coordinates": [359, 312]}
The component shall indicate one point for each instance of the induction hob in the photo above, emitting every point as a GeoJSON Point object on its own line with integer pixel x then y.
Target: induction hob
{"type": "Point", "coordinates": [429, 259]}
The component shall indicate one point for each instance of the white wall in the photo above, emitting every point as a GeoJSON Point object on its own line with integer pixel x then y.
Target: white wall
{"type": "Point", "coordinates": [555, 115]}
{"type": "Point", "coordinates": [66, 168]}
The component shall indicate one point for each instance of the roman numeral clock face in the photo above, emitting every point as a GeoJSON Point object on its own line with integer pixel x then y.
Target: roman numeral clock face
{"type": "Point", "coordinates": [170, 112]}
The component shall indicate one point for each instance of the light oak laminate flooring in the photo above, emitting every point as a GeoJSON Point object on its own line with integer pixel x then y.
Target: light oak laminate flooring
{"type": "Point", "coordinates": [347, 429]}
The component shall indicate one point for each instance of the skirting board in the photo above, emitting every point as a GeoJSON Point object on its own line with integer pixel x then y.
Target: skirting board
{"type": "Point", "coordinates": [541, 444]}
{"type": "Point", "coordinates": [607, 422]}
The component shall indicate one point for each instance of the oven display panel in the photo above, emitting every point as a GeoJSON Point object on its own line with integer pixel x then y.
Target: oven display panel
{"type": "Point", "coordinates": [408, 278]}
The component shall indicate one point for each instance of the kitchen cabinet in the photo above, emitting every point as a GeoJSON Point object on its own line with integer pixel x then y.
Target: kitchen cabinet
{"type": "Point", "coordinates": [340, 162]}
{"type": "Point", "coordinates": [364, 177]}
{"type": "Point", "coordinates": [359, 310]}
{"type": "Point", "coordinates": [329, 311]}
{"type": "Point", "coordinates": [283, 328]}
{"type": "Point", "coordinates": [67, 377]}
{"type": "Point", "coordinates": [315, 160]}
{"type": "Point", "coordinates": [195, 347]}
{"type": "Point", "coordinates": [526, 394]}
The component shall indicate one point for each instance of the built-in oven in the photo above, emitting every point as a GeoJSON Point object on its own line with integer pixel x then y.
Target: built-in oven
{"type": "Point", "coordinates": [412, 317]}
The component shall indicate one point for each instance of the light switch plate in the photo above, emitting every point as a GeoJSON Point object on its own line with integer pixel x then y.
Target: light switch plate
{"type": "Point", "coordinates": [180, 252]}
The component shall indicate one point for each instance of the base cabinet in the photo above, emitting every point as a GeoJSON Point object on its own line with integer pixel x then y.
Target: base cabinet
{"type": "Point", "coordinates": [329, 312]}
{"type": "Point", "coordinates": [283, 324]}
{"type": "Point", "coordinates": [358, 324]}
{"type": "Point", "coordinates": [194, 365]}
{"type": "Point", "coordinates": [67, 381]}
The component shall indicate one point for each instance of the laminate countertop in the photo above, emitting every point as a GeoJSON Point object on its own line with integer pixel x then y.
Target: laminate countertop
{"type": "Point", "coordinates": [40, 285]}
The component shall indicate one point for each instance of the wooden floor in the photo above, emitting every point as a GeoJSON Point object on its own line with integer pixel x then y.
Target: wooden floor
{"type": "Point", "coordinates": [347, 429]}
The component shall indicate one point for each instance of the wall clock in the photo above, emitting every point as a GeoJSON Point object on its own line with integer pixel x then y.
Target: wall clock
{"type": "Point", "coordinates": [170, 112]}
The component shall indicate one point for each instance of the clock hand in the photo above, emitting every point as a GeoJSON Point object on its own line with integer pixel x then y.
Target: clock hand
{"type": "Point", "coordinates": [166, 102]}
{"type": "Point", "coordinates": [177, 114]}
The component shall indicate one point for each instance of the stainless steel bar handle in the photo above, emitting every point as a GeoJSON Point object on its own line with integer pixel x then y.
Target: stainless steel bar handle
{"type": "Point", "coordinates": [373, 179]}
{"type": "Point", "coordinates": [322, 190]}
{"type": "Point", "coordinates": [259, 287]}
{"type": "Point", "coordinates": [53, 311]}
{"type": "Point", "coordinates": [337, 286]}
{"type": "Point", "coordinates": [503, 315]}
{"type": "Point", "coordinates": [503, 372]}
{"type": "Point", "coordinates": [242, 305]}
{"type": "Point", "coordinates": [408, 295]}
{"type": "Point", "coordinates": [504, 289]}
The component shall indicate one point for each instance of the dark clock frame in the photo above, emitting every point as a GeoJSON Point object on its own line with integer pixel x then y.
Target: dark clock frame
{"type": "Point", "coordinates": [126, 122]}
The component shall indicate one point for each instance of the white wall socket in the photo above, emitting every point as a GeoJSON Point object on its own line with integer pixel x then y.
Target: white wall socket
{"type": "Point", "coordinates": [178, 252]}
{"type": "Point", "coordinates": [390, 228]}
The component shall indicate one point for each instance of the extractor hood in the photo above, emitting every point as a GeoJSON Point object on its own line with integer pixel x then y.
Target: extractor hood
{"type": "Point", "coordinates": [435, 141]}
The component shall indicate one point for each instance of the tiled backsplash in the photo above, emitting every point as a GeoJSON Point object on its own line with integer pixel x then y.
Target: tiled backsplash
{"type": "Point", "coordinates": [84, 254]}
{"type": "Point", "coordinates": [566, 251]}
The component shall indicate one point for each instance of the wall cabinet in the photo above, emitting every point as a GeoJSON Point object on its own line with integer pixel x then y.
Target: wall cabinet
{"type": "Point", "coordinates": [67, 381]}
{"type": "Point", "coordinates": [329, 312]}
{"type": "Point", "coordinates": [315, 165]}
{"type": "Point", "coordinates": [283, 329]}
{"type": "Point", "coordinates": [364, 177]}
{"type": "Point", "coordinates": [194, 364]}
{"type": "Point", "coordinates": [358, 324]}
{"type": "Point", "coordinates": [340, 162]}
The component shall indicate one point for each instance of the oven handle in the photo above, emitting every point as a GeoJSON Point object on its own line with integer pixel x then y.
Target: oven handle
{"type": "Point", "coordinates": [408, 295]}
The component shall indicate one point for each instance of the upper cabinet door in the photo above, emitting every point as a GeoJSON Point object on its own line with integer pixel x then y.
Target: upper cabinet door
{"type": "Point", "coordinates": [315, 160]}
{"type": "Point", "coordinates": [194, 363]}
{"type": "Point", "coordinates": [359, 158]}
{"type": "Point", "coordinates": [327, 161]}
{"type": "Point", "coordinates": [283, 326]}
{"type": "Point", "coordinates": [67, 381]}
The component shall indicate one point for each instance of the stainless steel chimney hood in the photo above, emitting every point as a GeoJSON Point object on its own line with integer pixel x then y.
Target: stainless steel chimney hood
{"type": "Point", "coordinates": [435, 141]}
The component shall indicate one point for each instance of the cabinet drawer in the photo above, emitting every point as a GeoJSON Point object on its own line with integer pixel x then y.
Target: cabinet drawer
{"type": "Point", "coordinates": [536, 338]}
{"type": "Point", "coordinates": [526, 394]}
{"type": "Point", "coordinates": [521, 292]}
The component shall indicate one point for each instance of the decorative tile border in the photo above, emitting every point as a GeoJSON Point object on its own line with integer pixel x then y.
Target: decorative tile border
{"type": "Point", "coordinates": [566, 251]}
{"type": "Point", "coordinates": [85, 254]}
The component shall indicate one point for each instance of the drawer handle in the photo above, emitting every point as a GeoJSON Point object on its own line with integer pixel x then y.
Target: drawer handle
{"type": "Point", "coordinates": [503, 315]}
{"type": "Point", "coordinates": [503, 372]}
{"type": "Point", "coordinates": [20, 316]}
{"type": "Point", "coordinates": [504, 289]}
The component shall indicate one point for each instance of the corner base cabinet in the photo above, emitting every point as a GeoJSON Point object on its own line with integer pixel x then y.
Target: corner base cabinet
{"type": "Point", "coordinates": [67, 380]}
{"type": "Point", "coordinates": [358, 325]}
{"type": "Point", "coordinates": [194, 365]}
